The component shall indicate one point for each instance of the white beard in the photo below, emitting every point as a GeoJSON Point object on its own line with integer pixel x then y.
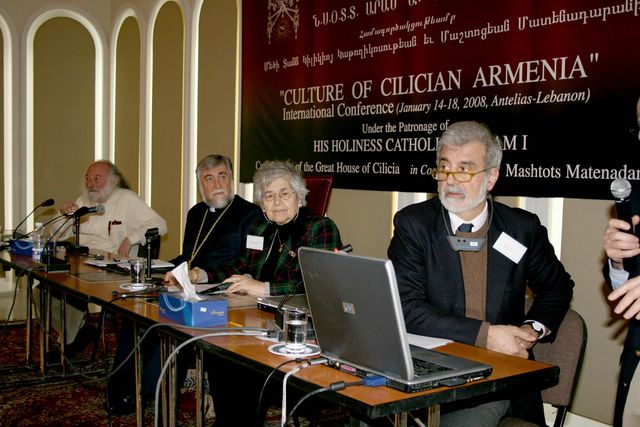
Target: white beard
{"type": "Point", "coordinates": [461, 205]}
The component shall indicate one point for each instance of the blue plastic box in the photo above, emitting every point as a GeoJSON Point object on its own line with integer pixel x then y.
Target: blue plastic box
{"type": "Point", "coordinates": [21, 246]}
{"type": "Point", "coordinates": [211, 311]}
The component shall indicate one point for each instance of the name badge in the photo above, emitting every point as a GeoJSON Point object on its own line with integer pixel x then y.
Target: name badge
{"type": "Point", "coordinates": [510, 247]}
{"type": "Point", "coordinates": [255, 242]}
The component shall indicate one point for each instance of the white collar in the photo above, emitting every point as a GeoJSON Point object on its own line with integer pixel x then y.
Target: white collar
{"type": "Point", "coordinates": [477, 222]}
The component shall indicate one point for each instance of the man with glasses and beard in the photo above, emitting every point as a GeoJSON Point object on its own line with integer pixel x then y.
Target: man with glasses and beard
{"type": "Point", "coordinates": [463, 263]}
{"type": "Point", "coordinates": [120, 230]}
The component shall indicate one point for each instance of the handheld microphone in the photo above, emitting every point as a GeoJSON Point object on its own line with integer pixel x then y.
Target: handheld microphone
{"type": "Point", "coordinates": [97, 209]}
{"type": "Point", "coordinates": [46, 203]}
{"type": "Point", "coordinates": [621, 190]}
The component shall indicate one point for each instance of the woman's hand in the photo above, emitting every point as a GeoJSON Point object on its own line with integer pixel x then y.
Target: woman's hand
{"type": "Point", "coordinates": [245, 284]}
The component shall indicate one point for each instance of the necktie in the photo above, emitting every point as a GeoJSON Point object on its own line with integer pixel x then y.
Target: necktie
{"type": "Point", "coordinates": [465, 228]}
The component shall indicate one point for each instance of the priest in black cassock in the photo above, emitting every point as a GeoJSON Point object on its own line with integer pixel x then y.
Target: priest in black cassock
{"type": "Point", "coordinates": [216, 228]}
{"type": "Point", "coordinates": [216, 232]}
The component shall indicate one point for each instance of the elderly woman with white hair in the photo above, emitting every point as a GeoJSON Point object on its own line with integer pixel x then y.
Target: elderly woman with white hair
{"type": "Point", "coordinates": [270, 265]}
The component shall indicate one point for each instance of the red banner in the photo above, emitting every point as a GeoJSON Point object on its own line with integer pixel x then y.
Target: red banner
{"type": "Point", "coordinates": [361, 90]}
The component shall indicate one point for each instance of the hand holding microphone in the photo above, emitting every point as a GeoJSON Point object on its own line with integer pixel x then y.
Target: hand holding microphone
{"type": "Point", "coordinates": [68, 208]}
{"type": "Point", "coordinates": [620, 242]}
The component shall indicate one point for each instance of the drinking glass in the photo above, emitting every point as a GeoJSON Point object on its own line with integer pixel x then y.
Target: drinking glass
{"type": "Point", "coordinates": [137, 270]}
{"type": "Point", "coordinates": [295, 329]}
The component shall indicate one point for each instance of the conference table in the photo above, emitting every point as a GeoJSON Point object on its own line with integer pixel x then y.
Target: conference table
{"type": "Point", "coordinates": [510, 374]}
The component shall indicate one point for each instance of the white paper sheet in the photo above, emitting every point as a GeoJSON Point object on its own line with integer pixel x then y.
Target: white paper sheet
{"type": "Point", "coordinates": [426, 342]}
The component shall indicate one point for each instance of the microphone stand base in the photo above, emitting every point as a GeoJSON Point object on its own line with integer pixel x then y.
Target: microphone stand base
{"type": "Point", "coordinates": [53, 264]}
{"type": "Point", "coordinates": [77, 250]}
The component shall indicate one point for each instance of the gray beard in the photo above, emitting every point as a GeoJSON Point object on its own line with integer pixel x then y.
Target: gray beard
{"type": "Point", "coordinates": [220, 204]}
{"type": "Point", "coordinates": [468, 204]}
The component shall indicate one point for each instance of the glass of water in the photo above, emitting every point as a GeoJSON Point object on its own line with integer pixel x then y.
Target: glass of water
{"type": "Point", "coordinates": [295, 329]}
{"type": "Point", "coordinates": [137, 270]}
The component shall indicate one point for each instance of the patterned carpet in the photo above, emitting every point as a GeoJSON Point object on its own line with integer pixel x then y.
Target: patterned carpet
{"type": "Point", "coordinates": [79, 401]}
{"type": "Point", "coordinates": [76, 401]}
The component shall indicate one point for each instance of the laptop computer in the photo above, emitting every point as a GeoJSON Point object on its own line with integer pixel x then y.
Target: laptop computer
{"type": "Point", "coordinates": [360, 328]}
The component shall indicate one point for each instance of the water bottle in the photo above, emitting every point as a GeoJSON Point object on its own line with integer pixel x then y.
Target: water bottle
{"type": "Point", "coordinates": [38, 241]}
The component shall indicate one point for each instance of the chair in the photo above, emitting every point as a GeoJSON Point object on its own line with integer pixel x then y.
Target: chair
{"type": "Point", "coordinates": [566, 352]}
{"type": "Point", "coordinates": [319, 191]}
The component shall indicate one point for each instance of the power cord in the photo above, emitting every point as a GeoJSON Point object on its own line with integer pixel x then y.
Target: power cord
{"type": "Point", "coordinates": [264, 386]}
{"type": "Point", "coordinates": [246, 332]}
{"type": "Point", "coordinates": [157, 325]}
{"type": "Point", "coordinates": [368, 381]}
{"type": "Point", "coordinates": [306, 364]}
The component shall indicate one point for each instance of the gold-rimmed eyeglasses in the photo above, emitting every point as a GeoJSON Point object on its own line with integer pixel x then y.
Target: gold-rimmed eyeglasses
{"type": "Point", "coordinates": [284, 196]}
{"type": "Point", "coordinates": [440, 174]}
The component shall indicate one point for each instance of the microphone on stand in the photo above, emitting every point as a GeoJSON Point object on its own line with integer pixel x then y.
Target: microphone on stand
{"type": "Point", "coordinates": [97, 209]}
{"type": "Point", "coordinates": [84, 210]}
{"type": "Point", "coordinates": [46, 203]}
{"type": "Point", "coordinates": [151, 236]}
{"type": "Point", "coordinates": [621, 190]}
{"type": "Point", "coordinates": [23, 236]}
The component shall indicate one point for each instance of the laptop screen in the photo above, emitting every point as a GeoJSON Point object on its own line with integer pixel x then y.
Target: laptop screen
{"type": "Point", "coordinates": [356, 310]}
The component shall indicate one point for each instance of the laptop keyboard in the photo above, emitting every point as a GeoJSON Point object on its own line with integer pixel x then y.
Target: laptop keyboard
{"type": "Point", "coordinates": [422, 367]}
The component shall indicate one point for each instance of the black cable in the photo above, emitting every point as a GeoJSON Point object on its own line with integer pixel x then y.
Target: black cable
{"type": "Point", "coordinates": [305, 397]}
{"type": "Point", "coordinates": [288, 295]}
{"type": "Point", "coordinates": [332, 387]}
{"type": "Point", "coordinates": [106, 365]}
{"type": "Point", "coordinates": [264, 385]}
{"type": "Point", "coordinates": [13, 302]}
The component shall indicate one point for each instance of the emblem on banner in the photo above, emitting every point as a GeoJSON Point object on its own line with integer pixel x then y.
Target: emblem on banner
{"type": "Point", "coordinates": [283, 19]}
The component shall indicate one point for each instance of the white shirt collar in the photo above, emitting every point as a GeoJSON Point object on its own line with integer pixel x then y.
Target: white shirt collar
{"type": "Point", "coordinates": [477, 221]}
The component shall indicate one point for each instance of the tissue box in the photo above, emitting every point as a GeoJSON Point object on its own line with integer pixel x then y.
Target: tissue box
{"type": "Point", "coordinates": [21, 246]}
{"type": "Point", "coordinates": [211, 311]}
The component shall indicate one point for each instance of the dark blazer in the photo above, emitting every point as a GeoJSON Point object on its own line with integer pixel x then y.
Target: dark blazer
{"type": "Point", "coordinates": [431, 288]}
{"type": "Point", "coordinates": [430, 282]}
{"type": "Point", "coordinates": [631, 350]}
{"type": "Point", "coordinates": [226, 241]}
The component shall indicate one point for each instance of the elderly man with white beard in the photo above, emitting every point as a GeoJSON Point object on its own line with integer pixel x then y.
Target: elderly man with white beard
{"type": "Point", "coordinates": [120, 230]}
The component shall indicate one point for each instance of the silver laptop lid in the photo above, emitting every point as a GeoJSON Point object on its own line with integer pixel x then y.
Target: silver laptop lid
{"type": "Point", "coordinates": [354, 323]}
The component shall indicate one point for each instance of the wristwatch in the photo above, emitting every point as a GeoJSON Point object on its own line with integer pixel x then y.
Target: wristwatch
{"type": "Point", "coordinates": [538, 327]}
